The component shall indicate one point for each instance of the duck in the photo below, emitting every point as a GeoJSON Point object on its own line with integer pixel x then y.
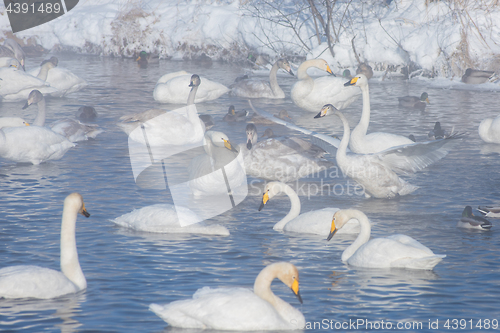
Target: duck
{"type": "Point", "coordinates": [398, 251]}
{"type": "Point", "coordinates": [12, 122]}
{"type": "Point", "coordinates": [489, 130]}
{"type": "Point", "coordinates": [86, 113]}
{"type": "Point", "coordinates": [315, 222]}
{"type": "Point", "coordinates": [438, 132]}
{"type": "Point", "coordinates": [365, 69]}
{"type": "Point", "coordinates": [281, 159]}
{"type": "Point", "coordinates": [178, 127]}
{"type": "Point", "coordinates": [170, 88]}
{"type": "Point", "coordinates": [28, 281]}
{"type": "Point", "coordinates": [268, 133]}
{"type": "Point", "coordinates": [12, 49]}
{"type": "Point", "coordinates": [475, 76]}
{"type": "Point", "coordinates": [62, 79]}
{"type": "Point", "coordinates": [219, 153]}
{"type": "Point", "coordinates": [233, 116]}
{"type": "Point", "coordinates": [33, 144]}
{"type": "Point", "coordinates": [414, 101]}
{"type": "Point", "coordinates": [470, 221]}
{"type": "Point", "coordinates": [239, 309]}
{"type": "Point", "coordinates": [489, 211]}
{"type": "Point", "coordinates": [371, 171]}
{"type": "Point", "coordinates": [167, 218]}
{"type": "Point", "coordinates": [311, 94]}
{"type": "Point", "coordinates": [258, 119]}
{"type": "Point", "coordinates": [144, 58]}
{"type": "Point", "coordinates": [261, 88]}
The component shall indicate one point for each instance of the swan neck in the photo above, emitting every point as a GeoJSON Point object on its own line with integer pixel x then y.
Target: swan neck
{"type": "Point", "coordinates": [262, 285]}
{"type": "Point", "coordinates": [40, 117]}
{"type": "Point", "coordinates": [341, 155]}
{"type": "Point", "coordinates": [302, 71]}
{"type": "Point", "coordinates": [44, 72]}
{"type": "Point", "coordinates": [192, 95]}
{"type": "Point", "coordinates": [294, 209]}
{"type": "Point", "coordinates": [273, 80]}
{"type": "Point", "coordinates": [70, 265]}
{"type": "Point", "coordinates": [363, 237]}
{"type": "Point", "coordinates": [362, 126]}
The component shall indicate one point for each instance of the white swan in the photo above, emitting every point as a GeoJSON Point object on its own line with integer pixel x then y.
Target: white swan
{"type": "Point", "coordinates": [489, 130]}
{"type": "Point", "coordinates": [394, 251]}
{"type": "Point", "coordinates": [12, 122]}
{"type": "Point", "coordinates": [219, 153]}
{"type": "Point", "coordinates": [311, 94]}
{"type": "Point", "coordinates": [34, 144]}
{"type": "Point", "coordinates": [314, 222]}
{"type": "Point", "coordinates": [470, 221]}
{"type": "Point", "coordinates": [17, 84]}
{"type": "Point", "coordinates": [163, 218]}
{"type": "Point", "coordinates": [371, 171]}
{"type": "Point", "coordinates": [12, 49]}
{"type": "Point", "coordinates": [65, 81]}
{"type": "Point", "coordinates": [362, 143]}
{"type": "Point", "coordinates": [171, 88]}
{"type": "Point", "coordinates": [239, 309]}
{"type": "Point", "coordinates": [260, 88]}
{"type": "Point", "coordinates": [41, 282]}
{"type": "Point", "coordinates": [178, 127]}
{"type": "Point", "coordinates": [283, 159]}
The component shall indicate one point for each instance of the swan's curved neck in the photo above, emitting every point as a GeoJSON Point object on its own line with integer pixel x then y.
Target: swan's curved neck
{"type": "Point", "coordinates": [273, 80]}
{"type": "Point", "coordinates": [362, 127]}
{"type": "Point", "coordinates": [192, 95]}
{"type": "Point", "coordinates": [302, 70]}
{"type": "Point", "coordinates": [40, 117]}
{"type": "Point", "coordinates": [44, 72]}
{"type": "Point", "coordinates": [294, 209]}
{"type": "Point", "coordinates": [364, 234]}
{"type": "Point", "coordinates": [70, 266]}
{"type": "Point", "coordinates": [341, 155]}
{"type": "Point", "coordinates": [262, 286]}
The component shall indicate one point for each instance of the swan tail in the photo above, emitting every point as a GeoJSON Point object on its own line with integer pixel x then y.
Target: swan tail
{"type": "Point", "coordinates": [426, 263]}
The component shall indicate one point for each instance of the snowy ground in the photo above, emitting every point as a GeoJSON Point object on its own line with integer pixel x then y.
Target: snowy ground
{"type": "Point", "coordinates": [440, 37]}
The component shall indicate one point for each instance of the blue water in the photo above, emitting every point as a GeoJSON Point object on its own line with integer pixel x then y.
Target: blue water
{"type": "Point", "coordinates": [126, 271]}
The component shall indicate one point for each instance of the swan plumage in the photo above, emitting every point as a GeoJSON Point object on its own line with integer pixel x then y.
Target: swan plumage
{"type": "Point", "coordinates": [373, 172]}
{"type": "Point", "coordinates": [163, 218]}
{"type": "Point", "coordinates": [470, 221]}
{"type": "Point", "coordinates": [74, 130]}
{"type": "Point", "coordinates": [489, 211]}
{"type": "Point", "coordinates": [489, 130]}
{"type": "Point", "coordinates": [62, 79]}
{"type": "Point", "coordinates": [311, 94]}
{"type": "Point", "coordinates": [239, 309]}
{"type": "Point", "coordinates": [414, 101]}
{"type": "Point", "coordinates": [38, 282]}
{"type": "Point", "coordinates": [12, 122]}
{"type": "Point", "coordinates": [399, 251]}
{"type": "Point", "coordinates": [314, 222]}
{"type": "Point", "coordinates": [178, 127]}
{"type": "Point", "coordinates": [283, 158]}
{"type": "Point", "coordinates": [171, 88]}
{"type": "Point", "coordinates": [252, 88]}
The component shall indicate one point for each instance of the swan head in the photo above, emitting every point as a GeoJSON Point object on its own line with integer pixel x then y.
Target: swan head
{"type": "Point", "coordinates": [221, 140]}
{"type": "Point", "coordinates": [285, 65]}
{"type": "Point", "coordinates": [326, 110]}
{"type": "Point", "coordinates": [425, 98]}
{"type": "Point", "coordinates": [75, 201]}
{"type": "Point", "coordinates": [360, 80]}
{"type": "Point", "coordinates": [13, 62]}
{"type": "Point", "coordinates": [251, 131]}
{"type": "Point", "coordinates": [53, 60]}
{"type": "Point", "coordinates": [49, 64]}
{"type": "Point", "coordinates": [271, 189]}
{"type": "Point", "coordinates": [17, 49]}
{"type": "Point", "coordinates": [34, 97]}
{"type": "Point", "coordinates": [289, 275]}
{"type": "Point", "coordinates": [340, 218]}
{"type": "Point", "coordinates": [195, 81]}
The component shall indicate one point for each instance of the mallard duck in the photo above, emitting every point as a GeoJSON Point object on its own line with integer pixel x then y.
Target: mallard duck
{"type": "Point", "coordinates": [470, 221]}
{"type": "Point", "coordinates": [414, 101]}
{"type": "Point", "coordinates": [475, 76]}
{"type": "Point", "coordinates": [233, 116]}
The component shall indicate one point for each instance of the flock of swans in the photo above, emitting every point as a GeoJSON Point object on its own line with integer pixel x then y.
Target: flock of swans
{"type": "Point", "coordinates": [376, 160]}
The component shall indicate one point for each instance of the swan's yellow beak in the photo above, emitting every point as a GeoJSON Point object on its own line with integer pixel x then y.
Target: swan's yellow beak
{"type": "Point", "coordinates": [26, 124]}
{"type": "Point", "coordinates": [265, 199]}
{"type": "Point", "coordinates": [84, 211]}
{"type": "Point", "coordinates": [328, 69]}
{"type": "Point", "coordinates": [295, 289]}
{"type": "Point", "coordinates": [352, 82]}
{"type": "Point", "coordinates": [333, 230]}
{"type": "Point", "coordinates": [228, 145]}
{"type": "Point", "coordinates": [323, 112]}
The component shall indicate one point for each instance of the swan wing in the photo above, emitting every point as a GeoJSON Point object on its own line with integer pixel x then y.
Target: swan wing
{"type": "Point", "coordinates": [13, 81]}
{"type": "Point", "coordinates": [253, 89]}
{"type": "Point", "coordinates": [74, 130]}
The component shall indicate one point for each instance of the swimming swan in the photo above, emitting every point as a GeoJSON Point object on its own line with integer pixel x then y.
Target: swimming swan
{"type": "Point", "coordinates": [283, 159]}
{"type": "Point", "coordinates": [314, 222]}
{"type": "Point", "coordinates": [176, 127]}
{"type": "Point", "coordinates": [239, 309]}
{"type": "Point", "coordinates": [311, 94]}
{"type": "Point", "coordinates": [393, 251]}
{"type": "Point", "coordinates": [170, 88]}
{"type": "Point", "coordinates": [260, 88]}
{"type": "Point", "coordinates": [163, 218]}
{"type": "Point", "coordinates": [371, 171]}
{"type": "Point", "coordinates": [40, 282]}
{"type": "Point", "coordinates": [62, 79]}
{"type": "Point", "coordinates": [489, 130]}
{"type": "Point", "coordinates": [470, 221]}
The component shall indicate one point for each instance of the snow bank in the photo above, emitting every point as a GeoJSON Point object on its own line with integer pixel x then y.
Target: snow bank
{"type": "Point", "coordinates": [439, 37]}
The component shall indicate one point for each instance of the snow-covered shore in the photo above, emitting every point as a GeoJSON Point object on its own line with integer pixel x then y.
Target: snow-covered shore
{"type": "Point", "coordinates": [440, 37]}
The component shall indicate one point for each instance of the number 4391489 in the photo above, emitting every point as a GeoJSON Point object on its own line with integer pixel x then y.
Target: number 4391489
{"type": "Point", "coordinates": [33, 8]}
{"type": "Point", "coordinates": [463, 324]}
